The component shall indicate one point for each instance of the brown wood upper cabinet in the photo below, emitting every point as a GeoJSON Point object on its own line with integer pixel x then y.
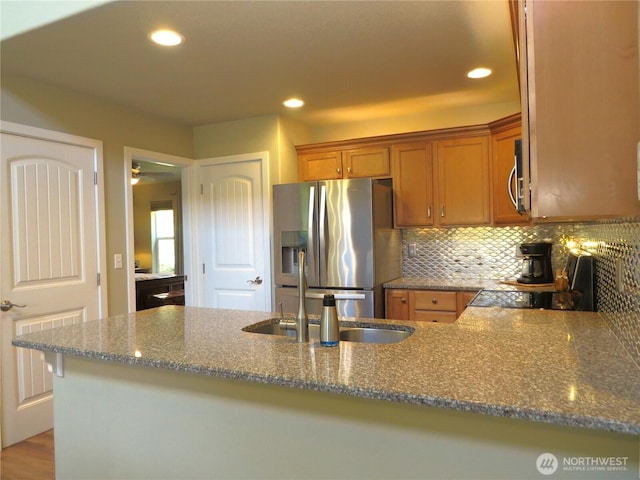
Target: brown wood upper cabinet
{"type": "Point", "coordinates": [504, 133]}
{"type": "Point", "coordinates": [351, 163]}
{"type": "Point", "coordinates": [462, 170]}
{"type": "Point", "coordinates": [442, 183]}
{"type": "Point", "coordinates": [413, 184]}
{"type": "Point", "coordinates": [580, 93]}
{"type": "Point", "coordinates": [319, 166]}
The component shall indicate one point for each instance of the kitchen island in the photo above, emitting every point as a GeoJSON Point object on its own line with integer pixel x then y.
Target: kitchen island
{"type": "Point", "coordinates": [184, 392]}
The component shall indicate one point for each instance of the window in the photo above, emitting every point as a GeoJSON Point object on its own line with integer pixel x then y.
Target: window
{"type": "Point", "coordinates": [163, 242]}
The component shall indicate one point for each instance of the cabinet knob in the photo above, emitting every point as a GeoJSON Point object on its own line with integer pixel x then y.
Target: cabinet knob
{"type": "Point", "coordinates": [348, 169]}
{"type": "Point", "coordinates": [434, 300]}
{"type": "Point", "coordinates": [338, 170]}
{"type": "Point", "coordinates": [403, 300]}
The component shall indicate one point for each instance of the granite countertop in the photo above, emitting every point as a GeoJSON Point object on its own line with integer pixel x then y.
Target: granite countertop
{"type": "Point", "coordinates": [428, 283]}
{"type": "Point", "coordinates": [557, 367]}
{"type": "Point", "coordinates": [471, 285]}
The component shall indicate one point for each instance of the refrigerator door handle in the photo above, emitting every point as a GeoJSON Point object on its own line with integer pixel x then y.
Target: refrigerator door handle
{"type": "Point", "coordinates": [322, 209]}
{"type": "Point", "coordinates": [338, 296]}
{"type": "Point", "coordinates": [311, 234]}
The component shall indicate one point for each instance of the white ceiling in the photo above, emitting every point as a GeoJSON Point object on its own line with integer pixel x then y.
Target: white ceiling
{"type": "Point", "coordinates": [347, 59]}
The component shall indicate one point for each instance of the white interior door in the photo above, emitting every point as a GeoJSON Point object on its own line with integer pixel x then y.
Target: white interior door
{"type": "Point", "coordinates": [235, 233]}
{"type": "Point", "coordinates": [49, 263]}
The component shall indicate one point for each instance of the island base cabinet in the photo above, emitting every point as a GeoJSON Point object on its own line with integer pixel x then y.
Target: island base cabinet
{"type": "Point", "coordinates": [124, 421]}
{"type": "Point", "coordinates": [436, 306]}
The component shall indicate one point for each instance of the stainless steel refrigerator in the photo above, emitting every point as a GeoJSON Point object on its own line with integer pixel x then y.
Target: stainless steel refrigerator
{"type": "Point", "coordinates": [346, 229]}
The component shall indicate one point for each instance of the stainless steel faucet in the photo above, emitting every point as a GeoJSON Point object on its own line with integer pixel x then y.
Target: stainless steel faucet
{"type": "Point", "coordinates": [301, 325]}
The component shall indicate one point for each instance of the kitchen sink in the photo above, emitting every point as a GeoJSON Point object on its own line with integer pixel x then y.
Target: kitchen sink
{"type": "Point", "coordinates": [373, 335]}
{"type": "Point", "coordinates": [349, 331]}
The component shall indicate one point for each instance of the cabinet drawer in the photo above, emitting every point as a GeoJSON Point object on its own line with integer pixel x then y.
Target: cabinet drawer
{"type": "Point", "coordinates": [434, 300]}
{"type": "Point", "coordinates": [434, 316]}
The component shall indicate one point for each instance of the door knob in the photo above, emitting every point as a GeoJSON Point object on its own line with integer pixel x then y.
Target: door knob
{"type": "Point", "coordinates": [6, 305]}
{"type": "Point", "coordinates": [256, 281]}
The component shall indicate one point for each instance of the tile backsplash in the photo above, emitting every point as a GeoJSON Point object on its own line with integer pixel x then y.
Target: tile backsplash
{"type": "Point", "coordinates": [490, 253]}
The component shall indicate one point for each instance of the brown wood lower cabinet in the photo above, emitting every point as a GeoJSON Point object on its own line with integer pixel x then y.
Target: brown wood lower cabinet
{"type": "Point", "coordinates": [443, 306]}
{"type": "Point", "coordinates": [162, 290]}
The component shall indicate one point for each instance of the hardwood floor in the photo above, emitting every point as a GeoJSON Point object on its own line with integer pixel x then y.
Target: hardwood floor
{"type": "Point", "coordinates": [31, 459]}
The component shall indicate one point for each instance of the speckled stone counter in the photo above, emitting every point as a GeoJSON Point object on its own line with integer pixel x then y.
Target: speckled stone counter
{"type": "Point", "coordinates": [557, 367]}
{"type": "Point", "coordinates": [427, 283]}
{"type": "Point", "coordinates": [470, 285]}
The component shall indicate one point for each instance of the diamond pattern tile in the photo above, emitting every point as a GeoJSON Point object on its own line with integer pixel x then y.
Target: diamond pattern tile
{"type": "Point", "coordinates": [490, 253]}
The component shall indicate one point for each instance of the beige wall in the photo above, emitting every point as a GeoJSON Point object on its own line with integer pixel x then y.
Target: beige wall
{"type": "Point", "coordinates": [438, 116]}
{"type": "Point", "coordinates": [258, 134]}
{"type": "Point", "coordinates": [40, 105]}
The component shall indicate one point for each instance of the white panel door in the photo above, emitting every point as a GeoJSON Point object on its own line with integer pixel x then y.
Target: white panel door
{"type": "Point", "coordinates": [235, 238]}
{"type": "Point", "coordinates": [49, 263]}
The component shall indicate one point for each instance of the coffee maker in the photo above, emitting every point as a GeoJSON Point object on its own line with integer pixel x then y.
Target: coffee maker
{"type": "Point", "coordinates": [536, 263]}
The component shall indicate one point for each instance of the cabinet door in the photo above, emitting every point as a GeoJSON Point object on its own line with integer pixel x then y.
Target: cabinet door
{"type": "Point", "coordinates": [583, 96]}
{"type": "Point", "coordinates": [503, 176]}
{"type": "Point", "coordinates": [463, 300]}
{"type": "Point", "coordinates": [397, 304]}
{"type": "Point", "coordinates": [320, 166]}
{"type": "Point", "coordinates": [367, 162]}
{"type": "Point", "coordinates": [462, 169]}
{"type": "Point", "coordinates": [413, 185]}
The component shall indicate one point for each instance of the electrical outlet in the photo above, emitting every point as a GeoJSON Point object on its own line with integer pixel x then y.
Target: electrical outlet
{"type": "Point", "coordinates": [412, 250]}
{"type": "Point", "coordinates": [117, 260]}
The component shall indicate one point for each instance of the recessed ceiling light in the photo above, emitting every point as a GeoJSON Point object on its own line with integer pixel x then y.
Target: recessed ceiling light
{"type": "Point", "coordinates": [167, 38]}
{"type": "Point", "coordinates": [293, 103]}
{"type": "Point", "coordinates": [479, 72]}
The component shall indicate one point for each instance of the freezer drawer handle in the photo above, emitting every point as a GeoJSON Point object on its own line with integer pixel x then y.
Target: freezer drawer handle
{"type": "Point", "coordinates": [339, 296]}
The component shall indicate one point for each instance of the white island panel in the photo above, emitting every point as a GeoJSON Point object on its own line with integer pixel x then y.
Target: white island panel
{"type": "Point", "coordinates": [123, 421]}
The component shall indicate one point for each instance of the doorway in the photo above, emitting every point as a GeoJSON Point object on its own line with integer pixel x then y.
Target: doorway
{"type": "Point", "coordinates": [156, 186]}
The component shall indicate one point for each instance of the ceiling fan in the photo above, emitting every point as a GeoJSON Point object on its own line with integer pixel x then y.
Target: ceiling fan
{"type": "Point", "coordinates": [137, 175]}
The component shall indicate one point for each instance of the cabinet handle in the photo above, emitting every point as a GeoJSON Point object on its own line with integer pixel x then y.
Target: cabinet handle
{"type": "Point", "coordinates": [429, 211]}
{"type": "Point", "coordinates": [442, 211]}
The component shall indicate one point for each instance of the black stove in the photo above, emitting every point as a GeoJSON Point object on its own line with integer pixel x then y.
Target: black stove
{"type": "Point", "coordinates": [524, 299]}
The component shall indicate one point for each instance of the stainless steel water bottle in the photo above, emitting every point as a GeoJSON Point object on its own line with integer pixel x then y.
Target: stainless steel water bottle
{"type": "Point", "coordinates": [329, 328]}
